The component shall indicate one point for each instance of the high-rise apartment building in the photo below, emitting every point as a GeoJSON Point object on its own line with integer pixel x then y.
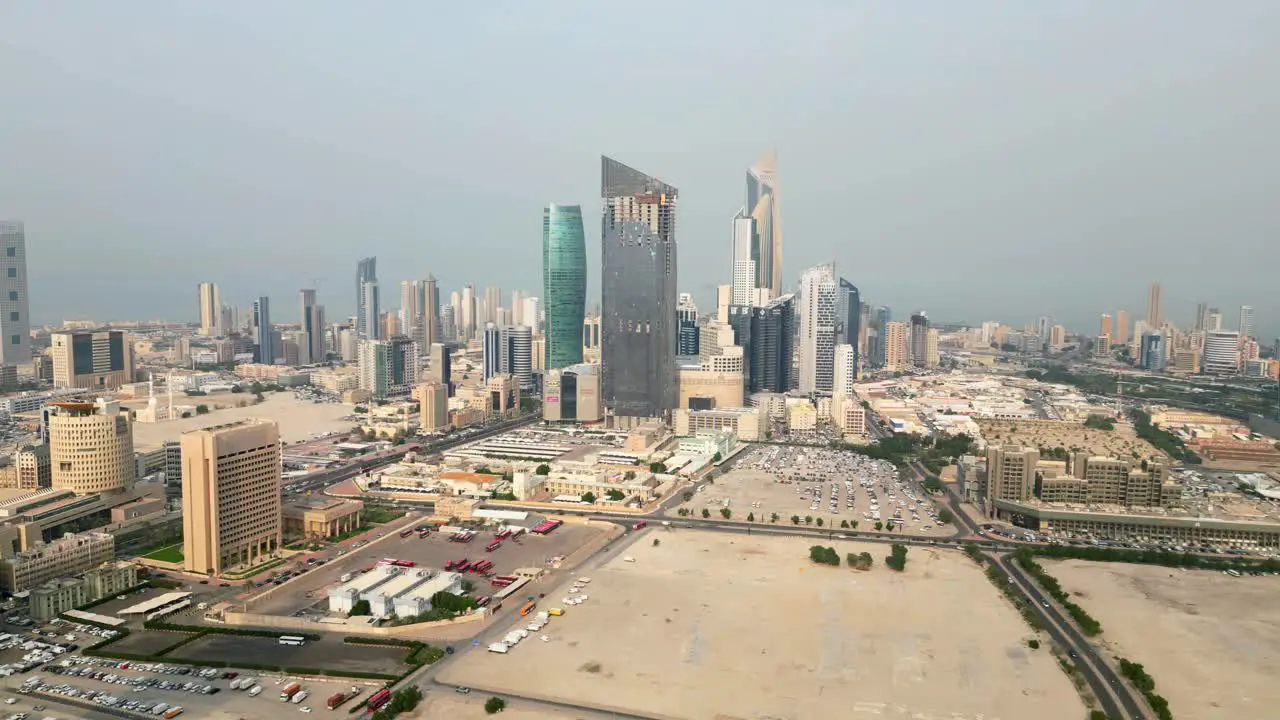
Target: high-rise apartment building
{"type": "Point", "coordinates": [846, 370]}
{"type": "Point", "coordinates": [1123, 328]}
{"type": "Point", "coordinates": [1202, 317]}
{"type": "Point", "coordinates": [15, 318]}
{"type": "Point", "coordinates": [687, 326]}
{"type": "Point", "coordinates": [1155, 307]}
{"type": "Point", "coordinates": [1011, 472]}
{"type": "Point", "coordinates": [230, 496]}
{"type": "Point", "coordinates": [638, 328]}
{"type": "Point", "coordinates": [311, 348]}
{"type": "Point", "coordinates": [210, 309]}
{"type": "Point", "coordinates": [388, 368]}
{"type": "Point", "coordinates": [564, 284]}
{"type": "Point", "coordinates": [931, 357]}
{"type": "Point", "coordinates": [441, 365]}
{"type": "Point", "coordinates": [91, 360]}
{"type": "Point", "coordinates": [492, 301]}
{"type": "Point", "coordinates": [531, 314]}
{"type": "Point", "coordinates": [366, 317]}
{"type": "Point", "coordinates": [1245, 325]}
{"type": "Point", "coordinates": [431, 309]}
{"type": "Point", "coordinates": [263, 332]}
{"type": "Point", "coordinates": [1106, 327]}
{"type": "Point", "coordinates": [1057, 337]}
{"type": "Point", "coordinates": [1221, 353]}
{"type": "Point", "coordinates": [897, 355]}
{"type": "Point", "coordinates": [1214, 321]}
{"type": "Point", "coordinates": [412, 317]}
{"type": "Point", "coordinates": [517, 354]}
{"type": "Point", "coordinates": [743, 250]}
{"type": "Point", "coordinates": [763, 207]}
{"type": "Point", "coordinates": [90, 447]}
{"type": "Point", "coordinates": [433, 406]}
{"type": "Point", "coordinates": [1152, 351]}
{"type": "Point", "coordinates": [817, 328]}
{"type": "Point", "coordinates": [920, 339]}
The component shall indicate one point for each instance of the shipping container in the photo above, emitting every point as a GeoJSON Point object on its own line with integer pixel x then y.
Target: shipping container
{"type": "Point", "coordinates": [335, 700]}
{"type": "Point", "coordinates": [288, 691]}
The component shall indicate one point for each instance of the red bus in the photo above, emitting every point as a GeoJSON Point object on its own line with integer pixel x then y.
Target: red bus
{"type": "Point", "coordinates": [462, 567]}
{"type": "Point", "coordinates": [640, 525]}
{"type": "Point", "coordinates": [404, 563]}
{"type": "Point", "coordinates": [483, 601]}
{"type": "Point", "coordinates": [499, 582]}
{"type": "Point", "coordinates": [546, 526]}
{"type": "Point", "coordinates": [502, 535]}
{"type": "Point", "coordinates": [493, 546]}
{"type": "Point", "coordinates": [482, 566]}
{"type": "Point", "coordinates": [379, 699]}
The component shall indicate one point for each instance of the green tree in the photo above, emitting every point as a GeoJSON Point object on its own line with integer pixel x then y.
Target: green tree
{"type": "Point", "coordinates": [879, 525]}
{"type": "Point", "coordinates": [361, 607]}
{"type": "Point", "coordinates": [865, 561]}
{"type": "Point", "coordinates": [657, 468]}
{"type": "Point", "coordinates": [808, 519]}
{"type": "Point", "coordinates": [897, 559]}
{"type": "Point", "coordinates": [543, 469]}
{"type": "Point", "coordinates": [853, 524]}
{"type": "Point", "coordinates": [773, 517]}
{"type": "Point", "coordinates": [726, 513]}
{"type": "Point", "coordinates": [1034, 644]}
{"type": "Point", "coordinates": [688, 495]}
{"type": "Point", "coordinates": [705, 513]}
{"type": "Point", "coordinates": [716, 458]}
{"type": "Point", "coordinates": [494, 705]}
{"type": "Point", "coordinates": [945, 515]}
{"type": "Point", "coordinates": [795, 519]}
{"type": "Point", "coordinates": [615, 495]}
{"type": "Point", "coordinates": [656, 542]}
{"type": "Point", "coordinates": [202, 409]}
{"type": "Point", "coordinates": [844, 524]}
{"type": "Point", "coordinates": [589, 497]}
{"type": "Point", "coordinates": [751, 517]}
{"type": "Point", "coordinates": [818, 522]}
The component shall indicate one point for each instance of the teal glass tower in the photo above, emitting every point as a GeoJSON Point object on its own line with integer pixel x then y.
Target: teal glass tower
{"type": "Point", "coordinates": [564, 283]}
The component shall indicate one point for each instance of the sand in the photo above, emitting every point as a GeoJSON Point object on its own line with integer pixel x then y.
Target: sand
{"type": "Point", "coordinates": [1211, 642]}
{"type": "Point", "coordinates": [298, 419]}
{"type": "Point", "coordinates": [720, 627]}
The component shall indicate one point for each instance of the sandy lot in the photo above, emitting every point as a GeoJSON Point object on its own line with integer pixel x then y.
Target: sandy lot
{"type": "Point", "coordinates": [436, 705]}
{"type": "Point", "coordinates": [298, 419]}
{"type": "Point", "coordinates": [676, 633]}
{"type": "Point", "coordinates": [1119, 443]}
{"type": "Point", "coordinates": [1211, 642]}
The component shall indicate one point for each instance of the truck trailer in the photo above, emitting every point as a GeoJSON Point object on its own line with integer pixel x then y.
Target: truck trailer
{"type": "Point", "coordinates": [288, 691]}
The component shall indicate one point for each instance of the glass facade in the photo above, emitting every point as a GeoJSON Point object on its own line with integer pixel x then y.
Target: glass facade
{"type": "Point", "coordinates": [638, 303]}
{"type": "Point", "coordinates": [564, 284]}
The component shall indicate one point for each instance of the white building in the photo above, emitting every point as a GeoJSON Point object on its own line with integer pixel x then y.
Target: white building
{"type": "Point", "coordinates": [1221, 353]}
{"type": "Point", "coordinates": [817, 328]}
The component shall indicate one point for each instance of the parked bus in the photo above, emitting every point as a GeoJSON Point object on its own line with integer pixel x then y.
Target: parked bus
{"type": "Point", "coordinates": [403, 563]}
{"type": "Point", "coordinates": [528, 608]}
{"type": "Point", "coordinates": [493, 546]}
{"type": "Point", "coordinates": [379, 699]}
{"type": "Point", "coordinates": [503, 535]}
{"type": "Point", "coordinates": [462, 566]}
{"type": "Point", "coordinates": [483, 601]}
{"type": "Point", "coordinates": [292, 640]}
{"type": "Point", "coordinates": [500, 582]}
{"type": "Point", "coordinates": [481, 566]}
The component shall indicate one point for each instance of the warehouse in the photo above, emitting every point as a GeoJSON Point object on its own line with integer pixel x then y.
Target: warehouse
{"type": "Point", "coordinates": [417, 600]}
{"type": "Point", "coordinates": [344, 597]}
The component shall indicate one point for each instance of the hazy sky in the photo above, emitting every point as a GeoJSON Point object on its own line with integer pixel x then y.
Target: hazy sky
{"type": "Point", "coordinates": [982, 160]}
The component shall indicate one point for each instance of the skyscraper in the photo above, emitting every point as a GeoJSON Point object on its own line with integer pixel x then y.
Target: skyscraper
{"type": "Point", "coordinates": [564, 284]}
{"type": "Point", "coordinates": [369, 321]}
{"type": "Point", "coordinates": [1221, 352]}
{"type": "Point", "coordinates": [767, 335]}
{"type": "Point", "coordinates": [1105, 327]}
{"type": "Point", "coordinates": [638, 237]}
{"type": "Point", "coordinates": [491, 359]}
{"type": "Point", "coordinates": [686, 326]}
{"type": "Point", "coordinates": [920, 338]}
{"type": "Point", "coordinates": [312, 329]}
{"type": "Point", "coordinates": [763, 208]}
{"type": "Point", "coordinates": [210, 309]}
{"type": "Point", "coordinates": [90, 447]}
{"type": "Point", "coordinates": [745, 246]}
{"type": "Point", "coordinates": [1155, 311]}
{"type": "Point", "coordinates": [896, 353]}
{"type": "Point", "coordinates": [517, 354]}
{"type": "Point", "coordinates": [467, 316]}
{"type": "Point", "coordinates": [366, 320]}
{"type": "Point", "coordinates": [492, 301]}
{"type": "Point", "coordinates": [848, 317]}
{"type": "Point", "coordinates": [879, 318]}
{"type": "Point", "coordinates": [1202, 317]}
{"type": "Point", "coordinates": [15, 318]}
{"type": "Point", "coordinates": [431, 301]}
{"type": "Point", "coordinates": [846, 373]}
{"type": "Point", "coordinates": [1123, 328]}
{"type": "Point", "coordinates": [412, 312]}
{"type": "Point", "coordinates": [1245, 325]}
{"type": "Point", "coordinates": [817, 328]}
{"type": "Point", "coordinates": [388, 368]}
{"type": "Point", "coordinates": [264, 350]}
{"type": "Point", "coordinates": [101, 360]}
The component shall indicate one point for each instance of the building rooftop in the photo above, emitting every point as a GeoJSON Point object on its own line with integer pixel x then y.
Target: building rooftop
{"type": "Point", "coordinates": [154, 603]}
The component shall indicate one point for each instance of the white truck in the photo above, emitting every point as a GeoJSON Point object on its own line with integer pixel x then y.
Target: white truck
{"type": "Point", "coordinates": [299, 696]}
{"type": "Point", "coordinates": [346, 577]}
{"type": "Point", "coordinates": [238, 683]}
{"type": "Point", "coordinates": [256, 691]}
{"type": "Point", "coordinates": [246, 683]}
{"type": "Point", "coordinates": [499, 648]}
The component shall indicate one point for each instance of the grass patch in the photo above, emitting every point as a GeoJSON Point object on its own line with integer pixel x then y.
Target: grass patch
{"type": "Point", "coordinates": [379, 514]}
{"type": "Point", "coordinates": [169, 554]}
{"type": "Point", "coordinates": [249, 572]}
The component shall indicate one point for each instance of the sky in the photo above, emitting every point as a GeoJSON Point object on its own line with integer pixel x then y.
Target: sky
{"type": "Point", "coordinates": [979, 160]}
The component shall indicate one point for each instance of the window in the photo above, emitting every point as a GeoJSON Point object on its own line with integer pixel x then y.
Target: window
{"type": "Point", "coordinates": [11, 251]}
{"type": "Point", "coordinates": [13, 295]}
{"type": "Point", "coordinates": [15, 339]}
{"type": "Point", "coordinates": [13, 317]}
{"type": "Point", "coordinates": [13, 272]}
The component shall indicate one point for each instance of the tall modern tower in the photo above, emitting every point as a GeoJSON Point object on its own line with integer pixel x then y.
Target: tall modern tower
{"type": "Point", "coordinates": [431, 299]}
{"type": "Point", "coordinates": [467, 316]}
{"type": "Point", "coordinates": [919, 338]}
{"type": "Point", "coordinates": [564, 284]}
{"type": "Point", "coordinates": [210, 310]}
{"type": "Point", "coordinates": [366, 321]}
{"type": "Point", "coordinates": [745, 251]}
{"type": "Point", "coordinates": [1246, 321]}
{"type": "Point", "coordinates": [15, 320]}
{"type": "Point", "coordinates": [262, 333]}
{"type": "Point", "coordinates": [1155, 309]}
{"type": "Point", "coordinates": [312, 329]}
{"type": "Point", "coordinates": [817, 328]}
{"type": "Point", "coordinates": [849, 317]}
{"type": "Point", "coordinates": [638, 306]}
{"type": "Point", "coordinates": [763, 207]}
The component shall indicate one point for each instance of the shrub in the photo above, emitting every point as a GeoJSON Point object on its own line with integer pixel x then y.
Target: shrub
{"type": "Point", "coordinates": [494, 705]}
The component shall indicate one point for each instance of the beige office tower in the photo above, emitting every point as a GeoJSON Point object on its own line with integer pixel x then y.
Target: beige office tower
{"type": "Point", "coordinates": [1121, 335]}
{"type": "Point", "coordinates": [90, 447]}
{"type": "Point", "coordinates": [439, 369]}
{"type": "Point", "coordinates": [230, 496]}
{"type": "Point", "coordinates": [1011, 472]}
{"type": "Point", "coordinates": [91, 360]}
{"type": "Point", "coordinates": [931, 358]}
{"type": "Point", "coordinates": [433, 406]}
{"type": "Point", "coordinates": [1155, 310]}
{"type": "Point", "coordinates": [1106, 328]}
{"type": "Point", "coordinates": [210, 310]}
{"type": "Point", "coordinates": [896, 354]}
{"type": "Point", "coordinates": [724, 298]}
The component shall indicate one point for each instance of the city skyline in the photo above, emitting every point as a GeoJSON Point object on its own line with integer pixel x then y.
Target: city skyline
{"type": "Point", "coordinates": [1034, 187]}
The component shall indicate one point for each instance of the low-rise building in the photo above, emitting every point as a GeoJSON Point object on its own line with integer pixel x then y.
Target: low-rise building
{"type": "Point", "coordinates": [55, 597]}
{"type": "Point", "coordinates": [747, 423]}
{"type": "Point", "coordinates": [321, 518]}
{"type": "Point", "coordinates": [720, 442]}
{"type": "Point", "coordinates": [801, 417]}
{"type": "Point", "coordinates": [69, 554]}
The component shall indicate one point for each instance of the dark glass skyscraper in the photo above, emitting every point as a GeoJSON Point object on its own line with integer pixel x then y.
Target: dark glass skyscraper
{"type": "Point", "coordinates": [638, 314]}
{"type": "Point", "coordinates": [767, 336]}
{"type": "Point", "coordinates": [367, 318]}
{"type": "Point", "coordinates": [262, 331]}
{"type": "Point", "coordinates": [564, 283]}
{"type": "Point", "coordinates": [848, 316]}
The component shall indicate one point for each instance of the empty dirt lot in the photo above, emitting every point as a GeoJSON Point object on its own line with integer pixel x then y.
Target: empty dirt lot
{"type": "Point", "coordinates": [1209, 640]}
{"type": "Point", "coordinates": [715, 626]}
{"type": "Point", "coordinates": [1120, 443]}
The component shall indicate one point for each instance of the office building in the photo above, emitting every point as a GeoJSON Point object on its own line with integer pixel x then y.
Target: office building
{"type": "Point", "coordinates": [1011, 472]}
{"type": "Point", "coordinates": [564, 284]}
{"type": "Point", "coordinates": [230, 496]}
{"type": "Point", "coordinates": [817, 328]}
{"type": "Point", "coordinates": [431, 312]}
{"type": "Point", "coordinates": [1245, 325]}
{"type": "Point", "coordinates": [931, 358]}
{"type": "Point", "coordinates": [517, 354]}
{"type": "Point", "coordinates": [531, 315]}
{"type": "Point", "coordinates": [920, 338]}
{"type": "Point", "coordinates": [35, 470]}
{"type": "Point", "coordinates": [687, 324]}
{"type": "Point", "coordinates": [1057, 337]}
{"type": "Point", "coordinates": [388, 368]}
{"type": "Point", "coordinates": [311, 346]}
{"type": "Point", "coordinates": [91, 360]}
{"type": "Point", "coordinates": [433, 406]}
{"type": "Point", "coordinates": [68, 555]}
{"type": "Point", "coordinates": [1123, 328]}
{"type": "Point", "coordinates": [263, 332]}
{"type": "Point", "coordinates": [591, 333]}
{"type": "Point", "coordinates": [1202, 317]}
{"type": "Point", "coordinates": [1155, 309]}
{"type": "Point", "coordinates": [15, 318]}
{"type": "Point", "coordinates": [467, 315]}
{"type": "Point", "coordinates": [441, 365]}
{"type": "Point", "coordinates": [879, 317]}
{"type": "Point", "coordinates": [1106, 328]}
{"type": "Point", "coordinates": [638, 325]}
{"type": "Point", "coordinates": [1151, 355]}
{"type": "Point", "coordinates": [849, 317]}
{"type": "Point", "coordinates": [491, 358]}
{"type": "Point", "coordinates": [412, 318]}
{"type": "Point", "coordinates": [492, 302]}
{"type": "Point", "coordinates": [448, 325]}
{"type": "Point", "coordinates": [367, 299]}
{"type": "Point", "coordinates": [763, 208]}
{"type": "Point", "coordinates": [56, 597]}
{"type": "Point", "coordinates": [846, 370]}
{"type": "Point", "coordinates": [90, 447]}
{"type": "Point", "coordinates": [767, 336]}
{"type": "Point", "coordinates": [210, 310]}
{"type": "Point", "coordinates": [572, 394]}
{"type": "Point", "coordinates": [1214, 322]}
{"type": "Point", "coordinates": [896, 352]}
{"type": "Point", "coordinates": [742, 254]}
{"type": "Point", "coordinates": [1221, 353]}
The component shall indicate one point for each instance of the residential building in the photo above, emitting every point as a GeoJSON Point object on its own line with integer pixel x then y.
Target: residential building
{"type": "Point", "coordinates": [492, 302]}
{"type": "Point", "coordinates": [231, 496]}
{"type": "Point", "coordinates": [210, 309]}
{"type": "Point", "coordinates": [591, 334]}
{"type": "Point", "coordinates": [90, 360]}
{"type": "Point", "coordinates": [68, 555]}
{"type": "Point", "coordinates": [846, 372]}
{"type": "Point", "coordinates": [896, 353]}
{"type": "Point", "coordinates": [15, 318]}
{"type": "Point", "coordinates": [367, 299]}
{"type": "Point", "coordinates": [564, 284]}
{"type": "Point", "coordinates": [638, 369]}
{"type": "Point", "coordinates": [321, 518]}
{"type": "Point", "coordinates": [1214, 322]}
{"type": "Point", "coordinates": [687, 324]}
{"type": "Point", "coordinates": [1011, 472]}
{"type": "Point", "coordinates": [90, 447]}
{"type": "Point", "coordinates": [763, 207]}
{"type": "Point", "coordinates": [491, 359]}
{"type": "Point", "coordinates": [441, 365]}
{"type": "Point", "coordinates": [35, 471]}
{"type": "Point", "coordinates": [432, 331]}
{"type": "Point", "coordinates": [572, 394]}
{"type": "Point", "coordinates": [1123, 328]}
{"type": "Point", "coordinates": [1057, 337]}
{"type": "Point", "coordinates": [467, 317]}
{"type": "Point", "coordinates": [1221, 353]}
{"type": "Point", "coordinates": [931, 358]}
{"type": "Point", "coordinates": [1245, 325]}
{"type": "Point", "coordinates": [517, 354]}
{"type": "Point", "coordinates": [433, 406]}
{"type": "Point", "coordinates": [919, 338]}
{"type": "Point", "coordinates": [1102, 346]}
{"type": "Point", "coordinates": [1106, 327]}
{"type": "Point", "coordinates": [56, 597]}
{"type": "Point", "coordinates": [744, 265]}
{"type": "Point", "coordinates": [388, 368]}
{"type": "Point", "coordinates": [817, 328]}
{"type": "Point", "coordinates": [1155, 309]}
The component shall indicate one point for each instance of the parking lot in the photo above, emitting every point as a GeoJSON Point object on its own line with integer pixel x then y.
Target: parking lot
{"type": "Point", "coordinates": [327, 653]}
{"type": "Point", "coordinates": [308, 595]}
{"type": "Point", "coordinates": [826, 486]}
